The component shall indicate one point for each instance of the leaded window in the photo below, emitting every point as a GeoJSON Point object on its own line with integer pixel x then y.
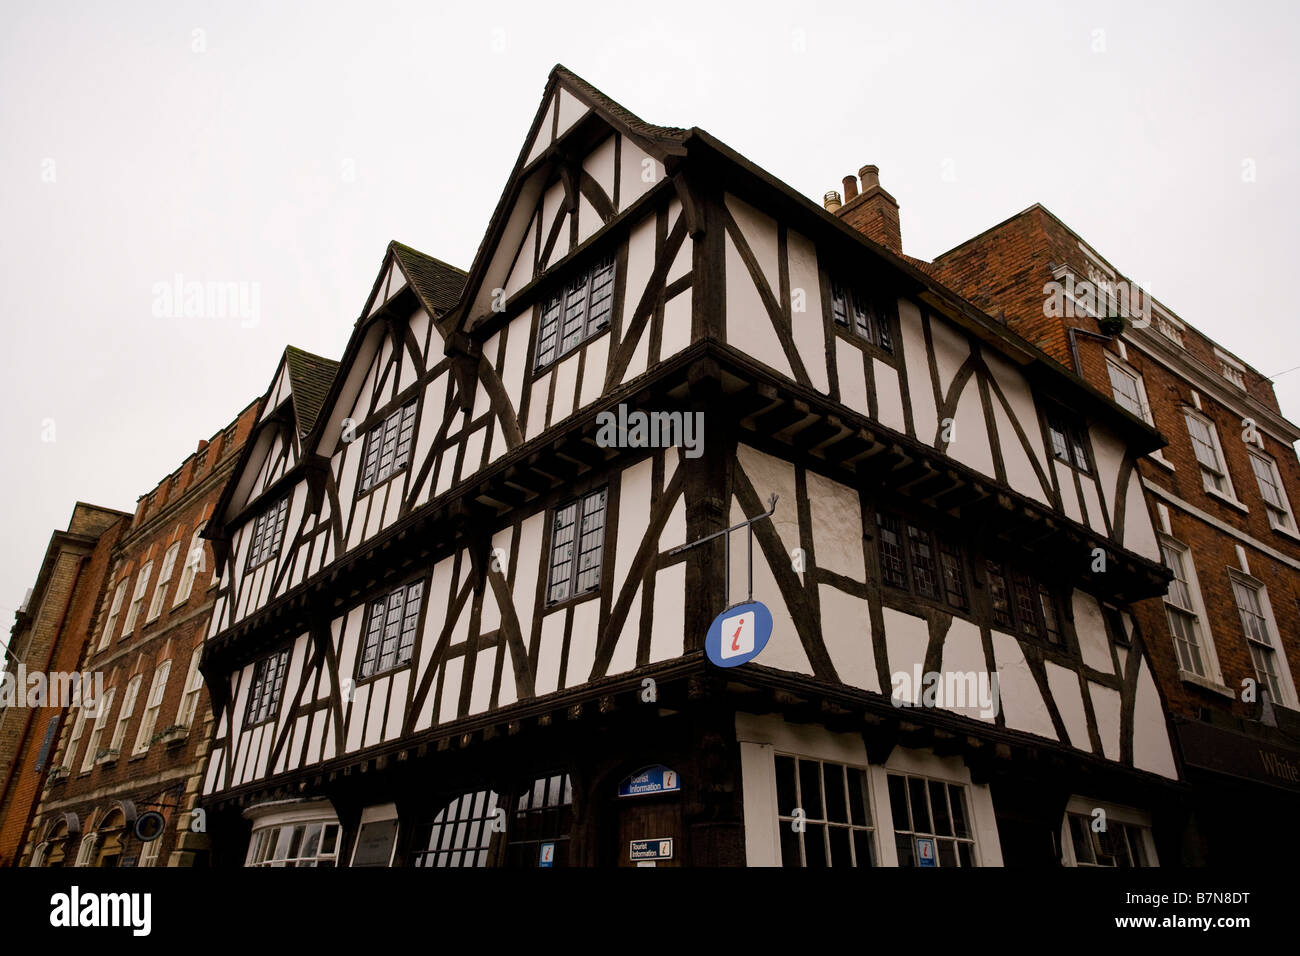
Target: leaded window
{"type": "Point", "coordinates": [388, 447]}
{"type": "Point", "coordinates": [390, 629]}
{"type": "Point", "coordinates": [576, 313]}
{"type": "Point", "coordinates": [860, 314]}
{"type": "Point", "coordinates": [577, 542]}
{"type": "Point", "coordinates": [268, 532]}
{"type": "Point", "coordinates": [264, 693]}
{"type": "Point", "coordinates": [916, 559]}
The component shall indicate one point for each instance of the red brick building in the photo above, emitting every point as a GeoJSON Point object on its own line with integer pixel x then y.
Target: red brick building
{"type": "Point", "coordinates": [1223, 492]}
{"type": "Point", "coordinates": [143, 750]}
{"type": "Point", "coordinates": [47, 636]}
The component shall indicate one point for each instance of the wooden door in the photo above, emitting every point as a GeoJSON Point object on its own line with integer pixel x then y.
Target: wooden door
{"type": "Point", "coordinates": [649, 820]}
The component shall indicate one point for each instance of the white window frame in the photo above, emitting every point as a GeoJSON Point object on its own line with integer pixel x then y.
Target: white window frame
{"type": "Point", "coordinates": [1083, 806]}
{"type": "Point", "coordinates": [189, 703]}
{"type": "Point", "coordinates": [164, 578]}
{"type": "Point", "coordinates": [86, 850]}
{"type": "Point", "coordinates": [1123, 368]}
{"type": "Point", "coordinates": [149, 853]}
{"type": "Point", "coordinates": [97, 730]}
{"type": "Point", "coordinates": [274, 816]}
{"type": "Point", "coordinates": [124, 715]}
{"type": "Point", "coordinates": [1285, 682]}
{"type": "Point", "coordinates": [78, 726]}
{"type": "Point", "coordinates": [1213, 675]}
{"type": "Point", "coordinates": [137, 598]}
{"type": "Point", "coordinates": [1230, 494]}
{"type": "Point", "coordinates": [153, 705]}
{"type": "Point", "coordinates": [762, 737]}
{"type": "Point", "coordinates": [1289, 526]}
{"type": "Point", "coordinates": [1144, 412]}
{"type": "Point", "coordinates": [119, 595]}
{"type": "Point", "coordinates": [189, 571]}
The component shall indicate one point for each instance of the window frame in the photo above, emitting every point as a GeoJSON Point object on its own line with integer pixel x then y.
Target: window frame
{"type": "Point", "coordinates": [520, 828]}
{"type": "Point", "coordinates": [1016, 579]}
{"type": "Point", "coordinates": [460, 830]}
{"type": "Point", "coordinates": [265, 526]}
{"type": "Point", "coordinates": [119, 595]}
{"type": "Point", "coordinates": [1130, 819]}
{"type": "Point", "coordinates": [971, 838]}
{"type": "Point", "coordinates": [1284, 693]}
{"type": "Point", "coordinates": [137, 599]}
{"type": "Point", "coordinates": [1075, 434]}
{"type": "Point", "coordinates": [125, 713]}
{"type": "Point", "coordinates": [579, 503]}
{"type": "Point", "coordinates": [97, 730]}
{"type": "Point", "coordinates": [264, 841]}
{"type": "Point", "coordinates": [879, 332]}
{"type": "Point", "coordinates": [191, 568]}
{"type": "Point", "coordinates": [152, 708]}
{"type": "Point", "coordinates": [403, 421]}
{"type": "Point", "coordinates": [263, 704]}
{"type": "Point", "coordinates": [190, 694]}
{"type": "Point", "coordinates": [785, 821]}
{"type": "Point", "coordinates": [1275, 475]}
{"type": "Point", "coordinates": [943, 547]}
{"type": "Point", "coordinates": [1190, 415]}
{"type": "Point", "coordinates": [160, 587]}
{"type": "Point", "coordinates": [379, 608]}
{"type": "Point", "coordinates": [585, 284]}
{"type": "Point", "coordinates": [1196, 609]}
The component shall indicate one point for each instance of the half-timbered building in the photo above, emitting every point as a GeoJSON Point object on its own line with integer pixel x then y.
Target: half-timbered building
{"type": "Point", "coordinates": [456, 625]}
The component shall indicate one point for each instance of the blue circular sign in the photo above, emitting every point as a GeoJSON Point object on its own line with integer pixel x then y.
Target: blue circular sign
{"type": "Point", "coordinates": [738, 634]}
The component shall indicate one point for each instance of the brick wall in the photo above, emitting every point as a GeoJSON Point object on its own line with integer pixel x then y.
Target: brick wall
{"type": "Point", "coordinates": [166, 775]}
{"type": "Point", "coordinates": [51, 639]}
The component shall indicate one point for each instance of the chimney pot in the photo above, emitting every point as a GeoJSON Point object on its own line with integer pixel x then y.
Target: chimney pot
{"type": "Point", "coordinates": [850, 187]}
{"type": "Point", "coordinates": [203, 443]}
{"type": "Point", "coordinates": [831, 201]}
{"type": "Point", "coordinates": [870, 176]}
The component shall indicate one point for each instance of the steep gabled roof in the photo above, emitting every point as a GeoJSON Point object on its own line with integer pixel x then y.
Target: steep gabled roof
{"type": "Point", "coordinates": [436, 283]}
{"type": "Point", "coordinates": [310, 377]}
{"type": "Point", "coordinates": [597, 99]}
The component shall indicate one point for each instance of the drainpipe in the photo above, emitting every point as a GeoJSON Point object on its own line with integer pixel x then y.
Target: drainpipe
{"type": "Point", "coordinates": [1074, 346]}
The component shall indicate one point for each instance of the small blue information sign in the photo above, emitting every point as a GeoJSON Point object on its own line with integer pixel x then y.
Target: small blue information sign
{"type": "Point", "coordinates": [738, 634]}
{"type": "Point", "coordinates": [650, 780]}
{"type": "Point", "coordinates": [547, 855]}
{"type": "Point", "coordinates": [925, 852]}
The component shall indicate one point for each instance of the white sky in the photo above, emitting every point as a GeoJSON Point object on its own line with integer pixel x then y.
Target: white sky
{"type": "Point", "coordinates": [231, 164]}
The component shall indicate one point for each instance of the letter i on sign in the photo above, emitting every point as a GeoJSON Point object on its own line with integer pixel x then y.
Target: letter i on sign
{"type": "Point", "coordinates": [738, 634]}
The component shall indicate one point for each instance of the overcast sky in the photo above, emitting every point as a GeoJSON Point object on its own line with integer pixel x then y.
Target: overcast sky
{"type": "Point", "coordinates": [282, 145]}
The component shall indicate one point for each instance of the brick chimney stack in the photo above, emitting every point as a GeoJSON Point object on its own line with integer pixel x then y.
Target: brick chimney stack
{"type": "Point", "coordinates": [872, 211]}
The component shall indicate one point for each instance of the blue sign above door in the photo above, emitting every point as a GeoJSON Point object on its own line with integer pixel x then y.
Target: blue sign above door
{"type": "Point", "coordinates": [656, 779]}
{"type": "Point", "coordinates": [738, 634]}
